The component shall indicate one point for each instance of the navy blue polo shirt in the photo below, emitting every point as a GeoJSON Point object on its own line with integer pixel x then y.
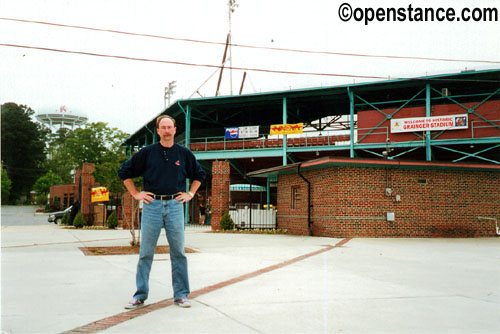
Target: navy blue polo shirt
{"type": "Point", "coordinates": [164, 170]}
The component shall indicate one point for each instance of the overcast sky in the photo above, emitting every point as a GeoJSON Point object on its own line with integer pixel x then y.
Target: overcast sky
{"type": "Point", "coordinates": [128, 93]}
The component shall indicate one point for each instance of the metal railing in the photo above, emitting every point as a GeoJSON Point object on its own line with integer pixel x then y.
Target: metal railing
{"type": "Point", "coordinates": [325, 138]}
{"type": "Point", "coordinates": [306, 139]}
{"type": "Point", "coordinates": [489, 125]}
{"type": "Point", "coordinates": [253, 219]}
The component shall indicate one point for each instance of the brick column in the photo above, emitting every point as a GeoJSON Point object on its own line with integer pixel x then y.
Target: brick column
{"type": "Point", "coordinates": [220, 191]}
{"type": "Point", "coordinates": [87, 183]}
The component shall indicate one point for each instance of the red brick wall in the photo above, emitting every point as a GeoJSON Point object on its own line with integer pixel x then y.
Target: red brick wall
{"type": "Point", "coordinates": [351, 202]}
{"type": "Point", "coordinates": [61, 189]}
{"type": "Point", "coordinates": [87, 183]}
{"type": "Point", "coordinates": [220, 191]}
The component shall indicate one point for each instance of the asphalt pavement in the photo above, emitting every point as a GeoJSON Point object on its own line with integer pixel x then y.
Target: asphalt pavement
{"type": "Point", "coordinates": [247, 283]}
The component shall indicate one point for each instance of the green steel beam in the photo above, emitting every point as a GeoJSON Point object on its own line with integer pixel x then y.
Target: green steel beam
{"type": "Point", "coordinates": [351, 121]}
{"type": "Point", "coordinates": [188, 140]}
{"type": "Point", "coordinates": [473, 109]}
{"type": "Point", "coordinates": [319, 148]}
{"type": "Point", "coordinates": [207, 166]}
{"type": "Point", "coordinates": [180, 106]}
{"type": "Point", "coordinates": [469, 155]}
{"type": "Point", "coordinates": [451, 99]}
{"type": "Point", "coordinates": [214, 155]}
{"type": "Point", "coordinates": [268, 193]}
{"type": "Point", "coordinates": [237, 167]}
{"type": "Point", "coordinates": [374, 153]}
{"type": "Point", "coordinates": [421, 99]}
{"type": "Point", "coordinates": [407, 151]}
{"type": "Point", "coordinates": [371, 105]}
{"type": "Point", "coordinates": [277, 152]}
{"type": "Point", "coordinates": [387, 117]}
{"type": "Point", "coordinates": [486, 99]}
{"type": "Point", "coordinates": [492, 140]}
{"type": "Point", "coordinates": [476, 153]}
{"type": "Point", "coordinates": [153, 134]}
{"type": "Point", "coordinates": [428, 154]}
{"type": "Point", "coordinates": [284, 136]}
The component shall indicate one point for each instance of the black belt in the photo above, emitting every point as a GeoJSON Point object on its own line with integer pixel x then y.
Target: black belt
{"type": "Point", "coordinates": [165, 197]}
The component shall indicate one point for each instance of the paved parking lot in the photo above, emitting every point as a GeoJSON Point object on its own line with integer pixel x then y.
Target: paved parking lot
{"type": "Point", "coordinates": [245, 283]}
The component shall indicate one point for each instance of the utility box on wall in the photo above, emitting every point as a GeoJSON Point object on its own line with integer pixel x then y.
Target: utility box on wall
{"type": "Point", "coordinates": [390, 216]}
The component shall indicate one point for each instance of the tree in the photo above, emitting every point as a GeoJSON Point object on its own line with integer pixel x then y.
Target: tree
{"type": "Point", "coordinates": [6, 185]}
{"type": "Point", "coordinates": [23, 147]}
{"type": "Point", "coordinates": [43, 184]}
{"type": "Point", "coordinates": [106, 174]}
{"type": "Point", "coordinates": [59, 160]}
{"type": "Point", "coordinates": [96, 143]}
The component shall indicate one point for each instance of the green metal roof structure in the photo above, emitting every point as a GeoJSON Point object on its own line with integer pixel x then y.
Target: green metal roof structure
{"type": "Point", "coordinates": [202, 120]}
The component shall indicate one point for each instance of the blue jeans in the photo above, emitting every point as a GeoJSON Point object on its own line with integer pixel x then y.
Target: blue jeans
{"type": "Point", "coordinates": [170, 215]}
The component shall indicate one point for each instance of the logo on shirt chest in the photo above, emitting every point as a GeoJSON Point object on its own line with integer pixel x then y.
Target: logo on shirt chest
{"type": "Point", "coordinates": [177, 163]}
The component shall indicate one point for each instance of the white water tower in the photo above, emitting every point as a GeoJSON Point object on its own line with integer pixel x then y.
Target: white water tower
{"type": "Point", "coordinates": [60, 117]}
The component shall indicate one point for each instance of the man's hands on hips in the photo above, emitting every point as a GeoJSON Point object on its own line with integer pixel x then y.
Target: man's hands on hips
{"type": "Point", "coordinates": [184, 197]}
{"type": "Point", "coordinates": [145, 196]}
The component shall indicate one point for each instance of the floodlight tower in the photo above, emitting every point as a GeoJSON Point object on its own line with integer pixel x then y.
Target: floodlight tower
{"type": "Point", "coordinates": [232, 7]}
{"type": "Point", "coordinates": [169, 91]}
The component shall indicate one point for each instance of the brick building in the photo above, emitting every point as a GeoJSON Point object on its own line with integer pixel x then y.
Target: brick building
{"type": "Point", "coordinates": [354, 121]}
{"type": "Point", "coordinates": [70, 193]}
{"type": "Point", "coordinates": [387, 198]}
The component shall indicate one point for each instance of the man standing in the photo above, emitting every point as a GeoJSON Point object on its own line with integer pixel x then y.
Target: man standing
{"type": "Point", "coordinates": [164, 167]}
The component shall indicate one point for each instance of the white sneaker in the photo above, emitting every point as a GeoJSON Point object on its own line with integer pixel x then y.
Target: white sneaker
{"type": "Point", "coordinates": [182, 302]}
{"type": "Point", "coordinates": [134, 303]}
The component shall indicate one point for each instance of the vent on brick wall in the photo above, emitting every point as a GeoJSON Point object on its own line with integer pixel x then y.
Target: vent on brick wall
{"type": "Point", "coordinates": [422, 181]}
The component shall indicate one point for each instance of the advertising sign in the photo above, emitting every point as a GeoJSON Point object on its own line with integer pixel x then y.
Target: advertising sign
{"type": "Point", "coordinates": [242, 132]}
{"type": "Point", "coordinates": [436, 123]}
{"type": "Point", "coordinates": [232, 133]}
{"type": "Point", "coordinates": [99, 194]}
{"type": "Point", "coordinates": [249, 131]}
{"type": "Point", "coordinates": [286, 129]}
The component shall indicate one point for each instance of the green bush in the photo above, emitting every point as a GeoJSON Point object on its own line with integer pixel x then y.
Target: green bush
{"type": "Point", "coordinates": [66, 219]}
{"type": "Point", "coordinates": [112, 221]}
{"type": "Point", "coordinates": [41, 199]}
{"type": "Point", "coordinates": [79, 221]}
{"type": "Point", "coordinates": [226, 223]}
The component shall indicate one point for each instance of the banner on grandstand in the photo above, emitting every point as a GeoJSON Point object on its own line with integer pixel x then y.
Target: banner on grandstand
{"type": "Point", "coordinates": [435, 123]}
{"type": "Point", "coordinates": [242, 132]}
{"type": "Point", "coordinates": [286, 129]}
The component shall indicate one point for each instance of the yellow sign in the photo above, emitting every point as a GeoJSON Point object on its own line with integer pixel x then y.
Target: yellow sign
{"type": "Point", "coordinates": [286, 129]}
{"type": "Point", "coordinates": [100, 194]}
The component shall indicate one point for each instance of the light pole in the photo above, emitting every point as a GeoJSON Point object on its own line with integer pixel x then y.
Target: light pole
{"type": "Point", "coordinates": [169, 91]}
{"type": "Point", "coordinates": [232, 7]}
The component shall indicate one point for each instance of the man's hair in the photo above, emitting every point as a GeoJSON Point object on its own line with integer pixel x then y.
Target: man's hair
{"type": "Point", "coordinates": [158, 120]}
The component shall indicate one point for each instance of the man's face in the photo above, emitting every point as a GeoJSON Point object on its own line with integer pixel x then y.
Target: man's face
{"type": "Point", "coordinates": [166, 129]}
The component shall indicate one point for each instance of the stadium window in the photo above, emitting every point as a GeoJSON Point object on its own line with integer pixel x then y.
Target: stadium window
{"type": "Point", "coordinates": [295, 197]}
